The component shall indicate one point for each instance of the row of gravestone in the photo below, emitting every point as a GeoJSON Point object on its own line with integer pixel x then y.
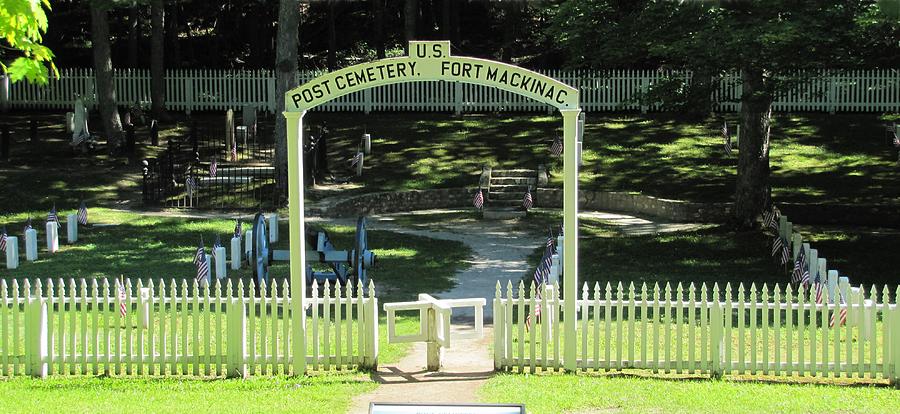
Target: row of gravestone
{"type": "Point", "coordinates": [31, 241]}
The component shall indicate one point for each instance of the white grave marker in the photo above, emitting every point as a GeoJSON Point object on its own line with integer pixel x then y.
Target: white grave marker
{"type": "Point", "coordinates": [220, 262]}
{"type": "Point", "coordinates": [367, 143]}
{"type": "Point", "coordinates": [31, 245]}
{"type": "Point", "coordinates": [273, 228]}
{"type": "Point", "coordinates": [12, 252]}
{"type": "Point", "coordinates": [71, 228]}
{"type": "Point", "coordinates": [235, 253]}
{"type": "Point", "coordinates": [52, 236]}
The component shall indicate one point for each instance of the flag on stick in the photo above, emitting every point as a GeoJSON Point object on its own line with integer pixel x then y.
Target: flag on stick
{"type": "Point", "coordinates": [799, 263]}
{"type": "Point", "coordinates": [202, 264]}
{"type": "Point", "coordinates": [123, 307]}
{"type": "Point", "coordinates": [726, 137]}
{"type": "Point", "coordinates": [3, 239]}
{"type": "Point", "coordinates": [527, 201]}
{"type": "Point", "coordinates": [27, 224]}
{"type": "Point", "coordinates": [541, 278]}
{"type": "Point", "coordinates": [237, 228]}
{"type": "Point", "coordinates": [841, 314]}
{"type": "Point", "coordinates": [52, 216]}
{"type": "Point", "coordinates": [234, 149]}
{"type": "Point", "coordinates": [478, 201]}
{"type": "Point", "coordinates": [82, 214]}
{"type": "Point", "coordinates": [556, 148]}
{"type": "Point", "coordinates": [213, 168]}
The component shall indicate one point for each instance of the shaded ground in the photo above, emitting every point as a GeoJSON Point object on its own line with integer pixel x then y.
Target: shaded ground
{"type": "Point", "coordinates": [841, 158]}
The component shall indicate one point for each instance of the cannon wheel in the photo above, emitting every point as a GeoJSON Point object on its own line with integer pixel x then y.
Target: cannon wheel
{"type": "Point", "coordinates": [259, 255]}
{"type": "Point", "coordinates": [360, 247]}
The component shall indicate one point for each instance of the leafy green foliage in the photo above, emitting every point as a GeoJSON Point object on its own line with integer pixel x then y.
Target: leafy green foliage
{"type": "Point", "coordinates": [22, 24]}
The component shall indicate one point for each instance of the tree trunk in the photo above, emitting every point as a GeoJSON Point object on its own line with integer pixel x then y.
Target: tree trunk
{"type": "Point", "coordinates": [285, 69]}
{"type": "Point", "coordinates": [378, 26]}
{"type": "Point", "coordinates": [332, 35]}
{"type": "Point", "coordinates": [103, 72]}
{"type": "Point", "coordinates": [511, 21]}
{"type": "Point", "coordinates": [752, 192]}
{"type": "Point", "coordinates": [157, 60]}
{"type": "Point", "coordinates": [134, 35]}
{"type": "Point", "coordinates": [410, 15]}
{"type": "Point", "coordinates": [171, 32]}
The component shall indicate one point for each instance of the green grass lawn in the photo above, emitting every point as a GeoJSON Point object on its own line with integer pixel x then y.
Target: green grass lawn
{"type": "Point", "coordinates": [815, 157]}
{"type": "Point", "coordinates": [615, 394]}
{"type": "Point", "coordinates": [124, 243]}
{"type": "Point", "coordinates": [326, 393]}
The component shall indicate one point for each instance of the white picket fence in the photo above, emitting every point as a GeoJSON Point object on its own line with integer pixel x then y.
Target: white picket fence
{"type": "Point", "coordinates": [770, 331]}
{"type": "Point", "coordinates": [69, 327]}
{"type": "Point", "coordinates": [605, 90]}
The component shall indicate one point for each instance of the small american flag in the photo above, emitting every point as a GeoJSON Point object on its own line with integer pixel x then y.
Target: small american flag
{"type": "Point", "coordinates": [234, 149]}
{"type": "Point", "coordinates": [123, 306]}
{"type": "Point", "coordinates": [799, 264]}
{"type": "Point", "coordinates": [237, 228]}
{"type": "Point", "coordinates": [28, 224]}
{"type": "Point", "coordinates": [843, 313]}
{"type": "Point", "coordinates": [218, 242]}
{"type": "Point", "coordinates": [356, 159]}
{"type": "Point", "coordinates": [556, 148]}
{"type": "Point", "coordinates": [527, 201]}
{"type": "Point", "coordinates": [777, 245]}
{"type": "Point", "coordinates": [213, 168]}
{"type": "Point", "coordinates": [820, 285]}
{"type": "Point", "coordinates": [190, 185]}
{"type": "Point", "coordinates": [541, 277]}
{"type": "Point", "coordinates": [478, 201]}
{"type": "Point", "coordinates": [82, 214]}
{"type": "Point", "coordinates": [199, 253]}
{"type": "Point", "coordinates": [52, 217]}
{"type": "Point", "coordinates": [726, 137]}
{"type": "Point", "coordinates": [785, 253]}
{"type": "Point", "coordinates": [770, 218]}
{"type": "Point", "coordinates": [3, 239]}
{"type": "Point", "coordinates": [202, 267]}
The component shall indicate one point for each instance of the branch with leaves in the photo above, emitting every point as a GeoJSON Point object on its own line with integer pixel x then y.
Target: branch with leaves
{"type": "Point", "coordinates": [22, 25]}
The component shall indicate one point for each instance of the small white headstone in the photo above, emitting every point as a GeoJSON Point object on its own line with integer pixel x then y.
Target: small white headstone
{"type": "Point", "coordinates": [31, 245]}
{"type": "Point", "coordinates": [71, 228]}
{"type": "Point", "coordinates": [359, 164]}
{"type": "Point", "coordinates": [52, 236]}
{"type": "Point", "coordinates": [367, 143]}
{"type": "Point", "coordinates": [70, 122]}
{"type": "Point", "coordinates": [248, 243]}
{"type": "Point", "coordinates": [12, 252]}
{"type": "Point", "coordinates": [221, 262]}
{"type": "Point", "coordinates": [273, 228]}
{"type": "Point", "coordinates": [235, 253]}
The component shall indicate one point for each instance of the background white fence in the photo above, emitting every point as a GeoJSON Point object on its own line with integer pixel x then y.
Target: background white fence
{"type": "Point", "coordinates": [764, 330]}
{"type": "Point", "coordinates": [169, 328]}
{"type": "Point", "coordinates": [607, 90]}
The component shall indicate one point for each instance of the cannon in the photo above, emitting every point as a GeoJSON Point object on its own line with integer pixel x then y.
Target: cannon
{"type": "Point", "coordinates": [346, 265]}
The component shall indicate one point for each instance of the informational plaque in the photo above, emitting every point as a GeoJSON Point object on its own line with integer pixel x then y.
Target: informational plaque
{"type": "Point", "coordinates": [425, 408]}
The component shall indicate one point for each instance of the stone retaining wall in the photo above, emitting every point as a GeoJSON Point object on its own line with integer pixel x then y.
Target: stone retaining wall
{"type": "Point", "coordinates": [392, 202]}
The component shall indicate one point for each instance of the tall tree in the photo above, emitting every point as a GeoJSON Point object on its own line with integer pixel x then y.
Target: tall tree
{"type": "Point", "coordinates": [285, 70]}
{"type": "Point", "coordinates": [157, 58]}
{"type": "Point", "coordinates": [332, 35]}
{"type": "Point", "coordinates": [410, 19]}
{"type": "Point", "coordinates": [378, 27]}
{"type": "Point", "coordinates": [765, 40]}
{"type": "Point", "coordinates": [103, 72]}
{"type": "Point", "coordinates": [134, 34]}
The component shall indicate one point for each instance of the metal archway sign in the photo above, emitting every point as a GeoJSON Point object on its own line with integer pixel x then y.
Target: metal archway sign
{"type": "Point", "coordinates": [429, 61]}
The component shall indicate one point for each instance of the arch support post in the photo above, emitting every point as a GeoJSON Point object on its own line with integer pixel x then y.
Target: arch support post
{"type": "Point", "coordinates": [297, 241]}
{"type": "Point", "coordinates": [570, 229]}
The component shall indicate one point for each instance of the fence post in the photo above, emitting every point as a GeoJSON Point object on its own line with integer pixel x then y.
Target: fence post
{"type": "Point", "coordinates": [236, 332]}
{"type": "Point", "coordinates": [367, 100]}
{"type": "Point", "coordinates": [716, 337]}
{"type": "Point", "coordinates": [895, 339]}
{"type": "Point", "coordinates": [498, 328]}
{"type": "Point", "coordinates": [372, 330]}
{"type": "Point", "coordinates": [457, 98]}
{"type": "Point", "coordinates": [36, 336]}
